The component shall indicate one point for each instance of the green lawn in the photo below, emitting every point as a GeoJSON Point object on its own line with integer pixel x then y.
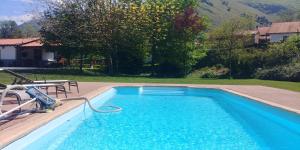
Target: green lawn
{"type": "Point", "coordinates": [294, 86]}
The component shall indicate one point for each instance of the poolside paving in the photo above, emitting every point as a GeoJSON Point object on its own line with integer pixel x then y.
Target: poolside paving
{"type": "Point", "coordinates": [18, 127]}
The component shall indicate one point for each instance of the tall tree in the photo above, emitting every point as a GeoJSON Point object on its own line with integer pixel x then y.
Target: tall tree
{"type": "Point", "coordinates": [230, 36]}
{"type": "Point", "coordinates": [29, 30]}
{"type": "Point", "coordinates": [124, 32]}
{"type": "Point", "coordinates": [64, 23]}
{"type": "Point", "coordinates": [174, 28]}
{"type": "Point", "coordinates": [9, 29]}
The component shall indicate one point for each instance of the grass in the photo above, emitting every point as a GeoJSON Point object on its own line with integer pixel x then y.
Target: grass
{"type": "Point", "coordinates": [293, 86]}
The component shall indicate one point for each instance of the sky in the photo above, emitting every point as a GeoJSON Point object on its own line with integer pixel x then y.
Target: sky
{"type": "Point", "coordinates": [19, 10]}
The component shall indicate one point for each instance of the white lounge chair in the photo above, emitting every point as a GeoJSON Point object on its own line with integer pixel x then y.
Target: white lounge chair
{"type": "Point", "coordinates": [45, 101]}
{"type": "Point", "coordinates": [20, 79]}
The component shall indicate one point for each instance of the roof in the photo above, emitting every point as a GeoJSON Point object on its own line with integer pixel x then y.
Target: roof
{"type": "Point", "coordinates": [16, 42]}
{"type": "Point", "coordinates": [285, 27]}
{"type": "Point", "coordinates": [263, 30]}
{"type": "Point", "coordinates": [36, 43]}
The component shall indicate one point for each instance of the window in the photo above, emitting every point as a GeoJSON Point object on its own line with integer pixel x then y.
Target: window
{"type": "Point", "coordinates": [285, 37]}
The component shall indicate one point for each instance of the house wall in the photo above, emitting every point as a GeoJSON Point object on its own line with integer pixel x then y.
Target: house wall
{"type": "Point", "coordinates": [8, 56]}
{"type": "Point", "coordinates": [7, 53]}
{"type": "Point", "coordinates": [27, 54]}
{"type": "Point", "coordinates": [279, 37]}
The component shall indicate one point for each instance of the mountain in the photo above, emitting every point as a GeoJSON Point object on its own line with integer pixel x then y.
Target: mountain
{"type": "Point", "coordinates": [30, 28]}
{"type": "Point", "coordinates": [265, 11]}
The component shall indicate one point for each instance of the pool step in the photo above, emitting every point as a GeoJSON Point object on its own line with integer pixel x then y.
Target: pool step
{"type": "Point", "coordinates": [168, 91]}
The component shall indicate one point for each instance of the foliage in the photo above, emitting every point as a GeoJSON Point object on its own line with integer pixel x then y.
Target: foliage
{"type": "Point", "coordinates": [227, 39]}
{"type": "Point", "coordinates": [214, 72]}
{"type": "Point", "coordinates": [125, 33]}
{"type": "Point", "coordinates": [284, 53]}
{"type": "Point", "coordinates": [289, 72]}
{"type": "Point", "coordinates": [282, 61]}
{"type": "Point", "coordinates": [29, 31]}
{"type": "Point", "coordinates": [175, 54]}
{"type": "Point", "coordinates": [9, 29]}
{"type": "Point", "coordinates": [246, 61]}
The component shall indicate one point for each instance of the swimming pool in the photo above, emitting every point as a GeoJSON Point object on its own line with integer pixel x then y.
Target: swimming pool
{"type": "Point", "coordinates": [169, 118]}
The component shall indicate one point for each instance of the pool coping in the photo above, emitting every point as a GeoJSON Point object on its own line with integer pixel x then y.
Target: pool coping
{"type": "Point", "coordinates": [42, 121]}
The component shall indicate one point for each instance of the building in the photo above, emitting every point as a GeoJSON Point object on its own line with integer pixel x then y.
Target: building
{"type": "Point", "coordinates": [281, 31]}
{"type": "Point", "coordinates": [262, 35]}
{"type": "Point", "coordinates": [27, 52]}
{"type": "Point", "coordinates": [277, 32]}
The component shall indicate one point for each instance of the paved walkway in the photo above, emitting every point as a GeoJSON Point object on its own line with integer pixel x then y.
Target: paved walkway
{"type": "Point", "coordinates": [14, 129]}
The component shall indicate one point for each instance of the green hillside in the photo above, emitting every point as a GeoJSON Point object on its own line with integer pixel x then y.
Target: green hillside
{"type": "Point", "coordinates": [220, 10]}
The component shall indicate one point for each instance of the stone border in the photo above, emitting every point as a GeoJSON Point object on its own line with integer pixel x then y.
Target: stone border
{"type": "Point", "coordinates": [37, 122]}
{"type": "Point", "coordinates": [262, 101]}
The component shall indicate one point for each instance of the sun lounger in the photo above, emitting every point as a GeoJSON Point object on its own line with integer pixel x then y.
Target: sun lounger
{"type": "Point", "coordinates": [45, 101]}
{"type": "Point", "coordinates": [13, 93]}
{"type": "Point", "coordinates": [20, 79]}
{"type": "Point", "coordinates": [19, 93]}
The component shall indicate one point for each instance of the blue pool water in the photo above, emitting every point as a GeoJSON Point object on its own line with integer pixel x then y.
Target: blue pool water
{"type": "Point", "coordinates": [155, 118]}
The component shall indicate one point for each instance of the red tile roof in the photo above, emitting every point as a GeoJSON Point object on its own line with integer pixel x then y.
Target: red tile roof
{"type": "Point", "coordinates": [285, 27]}
{"type": "Point", "coordinates": [263, 30]}
{"type": "Point", "coordinates": [16, 42]}
{"type": "Point", "coordinates": [36, 43]}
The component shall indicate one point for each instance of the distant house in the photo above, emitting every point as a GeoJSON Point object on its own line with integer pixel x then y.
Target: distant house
{"type": "Point", "coordinates": [277, 32]}
{"type": "Point", "coordinates": [281, 31]}
{"type": "Point", "coordinates": [27, 52]}
{"type": "Point", "coordinates": [262, 35]}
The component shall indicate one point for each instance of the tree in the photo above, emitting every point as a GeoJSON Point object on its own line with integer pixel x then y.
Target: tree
{"type": "Point", "coordinates": [9, 29]}
{"type": "Point", "coordinates": [183, 43]}
{"type": "Point", "coordinates": [172, 34]}
{"type": "Point", "coordinates": [160, 14]}
{"type": "Point", "coordinates": [230, 36]}
{"type": "Point", "coordinates": [124, 32]}
{"type": "Point", "coordinates": [64, 23]}
{"type": "Point", "coordinates": [29, 30]}
{"type": "Point", "coordinates": [284, 53]}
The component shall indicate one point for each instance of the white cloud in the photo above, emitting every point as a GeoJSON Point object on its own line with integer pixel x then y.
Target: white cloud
{"type": "Point", "coordinates": [27, 1]}
{"type": "Point", "coordinates": [19, 19]}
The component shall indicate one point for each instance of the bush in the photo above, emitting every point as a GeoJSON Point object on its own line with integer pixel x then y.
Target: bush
{"type": "Point", "coordinates": [289, 72]}
{"type": "Point", "coordinates": [215, 72]}
{"type": "Point", "coordinates": [169, 69]}
{"type": "Point", "coordinates": [131, 62]}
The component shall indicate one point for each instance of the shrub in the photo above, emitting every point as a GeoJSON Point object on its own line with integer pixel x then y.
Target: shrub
{"type": "Point", "coordinates": [289, 72]}
{"type": "Point", "coordinates": [214, 72]}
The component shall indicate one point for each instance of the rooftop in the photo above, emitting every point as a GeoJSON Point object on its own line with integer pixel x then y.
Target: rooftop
{"type": "Point", "coordinates": [16, 42]}
{"type": "Point", "coordinates": [285, 27]}
{"type": "Point", "coordinates": [263, 30]}
{"type": "Point", "coordinates": [36, 43]}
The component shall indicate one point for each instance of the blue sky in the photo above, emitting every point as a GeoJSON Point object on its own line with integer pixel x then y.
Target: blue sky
{"type": "Point", "coordinates": [19, 10]}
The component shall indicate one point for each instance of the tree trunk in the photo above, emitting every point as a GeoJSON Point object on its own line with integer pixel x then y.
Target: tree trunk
{"type": "Point", "coordinates": [81, 61]}
{"type": "Point", "coordinates": [230, 63]}
{"type": "Point", "coordinates": [152, 60]}
{"type": "Point", "coordinates": [109, 63]}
